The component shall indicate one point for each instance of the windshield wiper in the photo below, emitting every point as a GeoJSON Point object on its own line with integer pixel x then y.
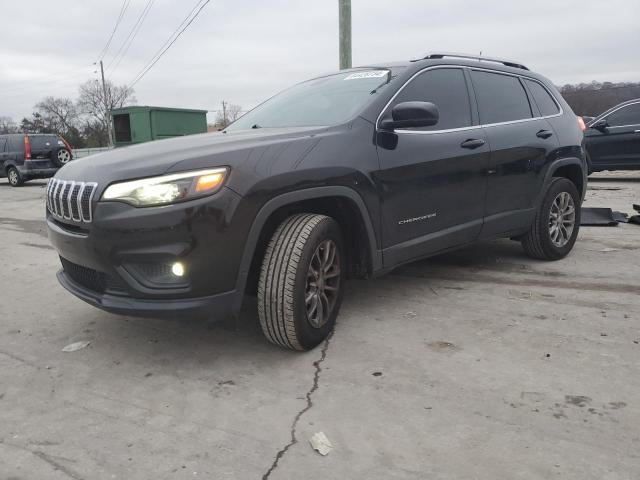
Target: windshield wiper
{"type": "Point", "coordinates": [256, 126]}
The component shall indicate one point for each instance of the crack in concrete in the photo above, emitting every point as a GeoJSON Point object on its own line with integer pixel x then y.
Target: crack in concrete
{"type": "Point", "coordinates": [316, 377]}
{"type": "Point", "coordinates": [47, 459]}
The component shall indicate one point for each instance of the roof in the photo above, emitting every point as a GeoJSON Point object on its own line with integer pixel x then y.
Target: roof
{"type": "Point", "coordinates": [147, 108]}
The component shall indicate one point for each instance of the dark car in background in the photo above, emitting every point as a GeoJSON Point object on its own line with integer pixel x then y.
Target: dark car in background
{"type": "Point", "coordinates": [349, 174]}
{"type": "Point", "coordinates": [27, 156]}
{"type": "Point", "coordinates": [612, 139]}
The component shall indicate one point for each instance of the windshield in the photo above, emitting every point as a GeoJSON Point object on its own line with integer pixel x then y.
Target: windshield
{"type": "Point", "coordinates": [321, 101]}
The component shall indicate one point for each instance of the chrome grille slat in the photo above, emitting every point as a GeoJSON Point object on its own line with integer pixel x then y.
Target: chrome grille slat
{"type": "Point", "coordinates": [70, 200]}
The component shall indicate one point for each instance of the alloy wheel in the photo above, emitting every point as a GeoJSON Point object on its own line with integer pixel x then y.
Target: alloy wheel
{"type": "Point", "coordinates": [562, 219]}
{"type": "Point", "coordinates": [13, 177]}
{"type": "Point", "coordinates": [63, 156]}
{"type": "Point", "coordinates": [323, 283]}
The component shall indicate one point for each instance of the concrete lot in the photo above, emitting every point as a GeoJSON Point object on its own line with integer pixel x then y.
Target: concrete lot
{"type": "Point", "coordinates": [480, 364]}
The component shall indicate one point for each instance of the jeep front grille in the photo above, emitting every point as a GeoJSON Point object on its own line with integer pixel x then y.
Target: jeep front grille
{"type": "Point", "coordinates": [70, 200]}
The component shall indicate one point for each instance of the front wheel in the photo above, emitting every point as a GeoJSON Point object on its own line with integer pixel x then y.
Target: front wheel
{"type": "Point", "coordinates": [301, 281]}
{"type": "Point", "coordinates": [556, 224]}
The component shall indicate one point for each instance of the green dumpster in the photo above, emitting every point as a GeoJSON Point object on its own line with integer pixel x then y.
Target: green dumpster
{"type": "Point", "coordinates": [144, 124]}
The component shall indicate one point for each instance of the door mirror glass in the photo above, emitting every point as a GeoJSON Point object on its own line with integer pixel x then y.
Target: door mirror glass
{"type": "Point", "coordinates": [601, 125]}
{"type": "Point", "coordinates": [411, 115]}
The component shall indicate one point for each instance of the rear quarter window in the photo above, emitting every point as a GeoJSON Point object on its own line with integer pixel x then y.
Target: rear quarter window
{"type": "Point", "coordinates": [501, 98]}
{"type": "Point", "coordinates": [545, 102]}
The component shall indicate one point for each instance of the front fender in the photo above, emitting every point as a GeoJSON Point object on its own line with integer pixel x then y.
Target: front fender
{"type": "Point", "coordinates": [292, 197]}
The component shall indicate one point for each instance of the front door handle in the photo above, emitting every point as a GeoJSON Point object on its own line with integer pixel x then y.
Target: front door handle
{"type": "Point", "coordinates": [472, 143]}
{"type": "Point", "coordinates": [544, 134]}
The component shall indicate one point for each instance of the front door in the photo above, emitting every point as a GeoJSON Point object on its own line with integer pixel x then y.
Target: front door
{"type": "Point", "coordinates": [432, 179]}
{"type": "Point", "coordinates": [617, 145]}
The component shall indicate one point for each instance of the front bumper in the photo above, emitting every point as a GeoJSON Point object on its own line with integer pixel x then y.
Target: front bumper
{"type": "Point", "coordinates": [219, 306]}
{"type": "Point", "coordinates": [110, 262]}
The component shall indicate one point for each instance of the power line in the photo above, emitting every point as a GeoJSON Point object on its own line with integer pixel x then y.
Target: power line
{"type": "Point", "coordinates": [132, 35]}
{"type": "Point", "coordinates": [123, 9]}
{"type": "Point", "coordinates": [170, 37]}
{"type": "Point", "coordinates": [159, 56]}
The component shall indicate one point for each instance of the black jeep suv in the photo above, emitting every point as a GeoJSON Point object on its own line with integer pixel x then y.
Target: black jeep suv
{"type": "Point", "coordinates": [349, 174]}
{"type": "Point", "coordinates": [35, 155]}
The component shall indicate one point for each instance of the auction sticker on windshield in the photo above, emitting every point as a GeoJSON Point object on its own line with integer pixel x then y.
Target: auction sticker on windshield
{"type": "Point", "coordinates": [370, 74]}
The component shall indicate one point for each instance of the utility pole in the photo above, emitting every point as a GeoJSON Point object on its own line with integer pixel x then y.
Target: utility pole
{"type": "Point", "coordinates": [106, 105]}
{"type": "Point", "coordinates": [345, 33]}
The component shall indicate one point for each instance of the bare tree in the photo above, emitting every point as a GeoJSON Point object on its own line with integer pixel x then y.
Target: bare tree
{"type": "Point", "coordinates": [230, 113]}
{"type": "Point", "coordinates": [93, 103]}
{"type": "Point", "coordinates": [59, 114]}
{"type": "Point", "coordinates": [7, 125]}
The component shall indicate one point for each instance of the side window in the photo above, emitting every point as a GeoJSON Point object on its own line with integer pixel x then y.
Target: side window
{"type": "Point", "coordinates": [545, 102]}
{"type": "Point", "coordinates": [629, 115]}
{"type": "Point", "coordinates": [3, 144]}
{"type": "Point", "coordinates": [501, 98]}
{"type": "Point", "coordinates": [447, 89]}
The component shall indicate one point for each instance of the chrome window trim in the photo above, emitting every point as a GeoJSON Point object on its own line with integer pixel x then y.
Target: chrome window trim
{"type": "Point", "coordinates": [625, 126]}
{"type": "Point", "coordinates": [471, 127]}
{"type": "Point", "coordinates": [615, 109]}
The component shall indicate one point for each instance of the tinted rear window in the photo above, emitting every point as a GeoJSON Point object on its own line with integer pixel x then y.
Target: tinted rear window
{"type": "Point", "coordinates": [447, 89]}
{"type": "Point", "coordinates": [501, 98]}
{"type": "Point", "coordinates": [44, 141]}
{"type": "Point", "coordinates": [546, 104]}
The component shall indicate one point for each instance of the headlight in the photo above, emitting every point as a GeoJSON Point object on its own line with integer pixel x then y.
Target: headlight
{"type": "Point", "coordinates": [167, 189]}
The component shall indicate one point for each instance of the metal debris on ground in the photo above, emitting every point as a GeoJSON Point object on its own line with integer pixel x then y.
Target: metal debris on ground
{"type": "Point", "coordinates": [74, 347]}
{"type": "Point", "coordinates": [321, 443]}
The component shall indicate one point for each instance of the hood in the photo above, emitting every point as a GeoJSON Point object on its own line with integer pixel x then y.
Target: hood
{"type": "Point", "coordinates": [180, 154]}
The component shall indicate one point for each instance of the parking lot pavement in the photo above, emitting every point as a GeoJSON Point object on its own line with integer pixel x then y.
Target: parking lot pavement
{"type": "Point", "coordinates": [477, 364]}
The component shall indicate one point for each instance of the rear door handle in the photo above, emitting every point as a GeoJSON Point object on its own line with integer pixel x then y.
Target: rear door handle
{"type": "Point", "coordinates": [472, 143]}
{"type": "Point", "coordinates": [544, 134]}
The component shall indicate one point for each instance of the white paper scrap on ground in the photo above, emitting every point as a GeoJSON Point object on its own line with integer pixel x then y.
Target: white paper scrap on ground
{"type": "Point", "coordinates": [321, 443]}
{"type": "Point", "coordinates": [74, 347]}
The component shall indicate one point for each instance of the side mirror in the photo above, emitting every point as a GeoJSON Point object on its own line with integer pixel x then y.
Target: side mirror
{"type": "Point", "coordinates": [601, 125]}
{"type": "Point", "coordinates": [411, 115]}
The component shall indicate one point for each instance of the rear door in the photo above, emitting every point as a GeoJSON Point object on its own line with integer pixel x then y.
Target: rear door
{"type": "Point", "coordinates": [521, 140]}
{"type": "Point", "coordinates": [3, 152]}
{"type": "Point", "coordinates": [617, 146]}
{"type": "Point", "coordinates": [432, 179]}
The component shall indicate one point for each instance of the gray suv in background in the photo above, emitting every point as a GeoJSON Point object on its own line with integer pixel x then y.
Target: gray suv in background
{"type": "Point", "coordinates": [27, 156]}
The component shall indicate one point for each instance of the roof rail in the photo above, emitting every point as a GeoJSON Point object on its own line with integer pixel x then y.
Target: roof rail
{"type": "Point", "coordinates": [480, 58]}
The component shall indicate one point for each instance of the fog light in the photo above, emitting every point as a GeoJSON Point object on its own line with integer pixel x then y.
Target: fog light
{"type": "Point", "coordinates": [177, 269]}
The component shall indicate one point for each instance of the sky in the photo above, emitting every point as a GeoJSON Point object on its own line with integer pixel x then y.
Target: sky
{"type": "Point", "coordinates": [244, 51]}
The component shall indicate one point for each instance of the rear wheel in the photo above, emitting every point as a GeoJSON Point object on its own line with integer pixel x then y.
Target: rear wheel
{"type": "Point", "coordinates": [301, 281]}
{"type": "Point", "coordinates": [555, 228]}
{"type": "Point", "coordinates": [14, 177]}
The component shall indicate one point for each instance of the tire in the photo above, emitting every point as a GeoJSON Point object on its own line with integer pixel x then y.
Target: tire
{"type": "Point", "coordinates": [60, 157]}
{"type": "Point", "coordinates": [14, 177]}
{"type": "Point", "coordinates": [290, 275]}
{"type": "Point", "coordinates": [539, 241]}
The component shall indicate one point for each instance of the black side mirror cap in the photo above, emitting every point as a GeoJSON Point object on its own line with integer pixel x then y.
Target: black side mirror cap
{"type": "Point", "coordinates": [601, 125]}
{"type": "Point", "coordinates": [411, 115]}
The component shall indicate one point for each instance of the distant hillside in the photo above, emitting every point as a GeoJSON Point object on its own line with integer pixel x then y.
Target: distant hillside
{"type": "Point", "coordinates": [594, 98]}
